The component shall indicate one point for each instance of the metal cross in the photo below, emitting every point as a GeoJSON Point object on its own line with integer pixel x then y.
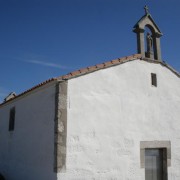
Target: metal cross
{"type": "Point", "coordinates": [146, 9]}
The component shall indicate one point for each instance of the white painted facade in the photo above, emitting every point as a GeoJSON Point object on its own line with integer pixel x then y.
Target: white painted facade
{"type": "Point", "coordinates": [27, 153]}
{"type": "Point", "coordinates": [111, 111]}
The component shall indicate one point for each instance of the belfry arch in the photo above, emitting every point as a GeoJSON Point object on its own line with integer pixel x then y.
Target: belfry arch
{"type": "Point", "coordinates": [148, 44]}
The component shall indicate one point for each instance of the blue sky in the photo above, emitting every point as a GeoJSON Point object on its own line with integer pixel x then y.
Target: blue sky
{"type": "Point", "coordinates": [40, 39]}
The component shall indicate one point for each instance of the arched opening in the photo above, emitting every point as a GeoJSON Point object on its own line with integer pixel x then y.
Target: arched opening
{"type": "Point", "coordinates": [148, 37]}
{"type": "Point", "coordinates": [149, 41]}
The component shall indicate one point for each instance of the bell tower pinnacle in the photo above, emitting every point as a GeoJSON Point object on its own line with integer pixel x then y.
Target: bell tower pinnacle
{"type": "Point", "coordinates": [146, 9]}
{"type": "Point", "coordinates": [148, 37]}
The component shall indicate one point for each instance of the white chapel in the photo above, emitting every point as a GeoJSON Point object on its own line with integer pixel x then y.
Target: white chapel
{"type": "Point", "coordinates": [119, 120]}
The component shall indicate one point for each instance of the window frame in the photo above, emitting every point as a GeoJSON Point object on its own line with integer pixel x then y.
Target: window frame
{"type": "Point", "coordinates": [12, 115]}
{"type": "Point", "coordinates": [157, 145]}
{"type": "Point", "coordinates": [163, 161]}
{"type": "Point", "coordinates": [154, 79]}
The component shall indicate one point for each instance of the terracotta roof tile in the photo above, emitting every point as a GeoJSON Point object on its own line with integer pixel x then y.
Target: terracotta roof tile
{"type": "Point", "coordinates": [84, 70]}
{"type": "Point", "coordinates": [92, 68]}
{"type": "Point", "coordinates": [107, 64]}
{"type": "Point", "coordinates": [122, 59]}
{"type": "Point", "coordinates": [137, 56]}
{"type": "Point", "coordinates": [75, 73]}
{"type": "Point", "coordinates": [100, 66]}
{"type": "Point", "coordinates": [116, 61]}
{"type": "Point", "coordinates": [66, 76]}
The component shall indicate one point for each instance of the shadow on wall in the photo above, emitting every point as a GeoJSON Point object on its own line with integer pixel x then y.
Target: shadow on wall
{"type": "Point", "coordinates": [2, 177]}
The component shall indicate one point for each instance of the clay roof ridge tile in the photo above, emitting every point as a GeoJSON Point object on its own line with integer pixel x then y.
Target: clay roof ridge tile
{"type": "Point", "coordinates": [129, 57]}
{"type": "Point", "coordinates": [83, 70]}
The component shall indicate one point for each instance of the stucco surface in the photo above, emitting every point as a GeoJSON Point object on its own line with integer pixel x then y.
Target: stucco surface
{"type": "Point", "coordinates": [27, 153]}
{"type": "Point", "coordinates": [111, 111]}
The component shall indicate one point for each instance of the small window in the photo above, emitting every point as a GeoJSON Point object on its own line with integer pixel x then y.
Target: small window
{"type": "Point", "coordinates": [155, 164]}
{"type": "Point", "coordinates": [12, 119]}
{"type": "Point", "coordinates": [153, 79]}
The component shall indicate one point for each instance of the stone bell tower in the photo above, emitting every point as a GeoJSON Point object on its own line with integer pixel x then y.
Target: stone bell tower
{"type": "Point", "coordinates": [148, 37]}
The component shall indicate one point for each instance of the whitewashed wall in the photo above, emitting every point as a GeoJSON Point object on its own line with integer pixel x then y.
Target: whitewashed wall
{"type": "Point", "coordinates": [27, 153]}
{"type": "Point", "coordinates": [110, 111]}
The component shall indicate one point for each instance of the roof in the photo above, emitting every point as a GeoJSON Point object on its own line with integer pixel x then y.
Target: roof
{"type": "Point", "coordinates": [100, 66]}
{"type": "Point", "coordinates": [91, 69]}
{"type": "Point", "coordinates": [29, 90]}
